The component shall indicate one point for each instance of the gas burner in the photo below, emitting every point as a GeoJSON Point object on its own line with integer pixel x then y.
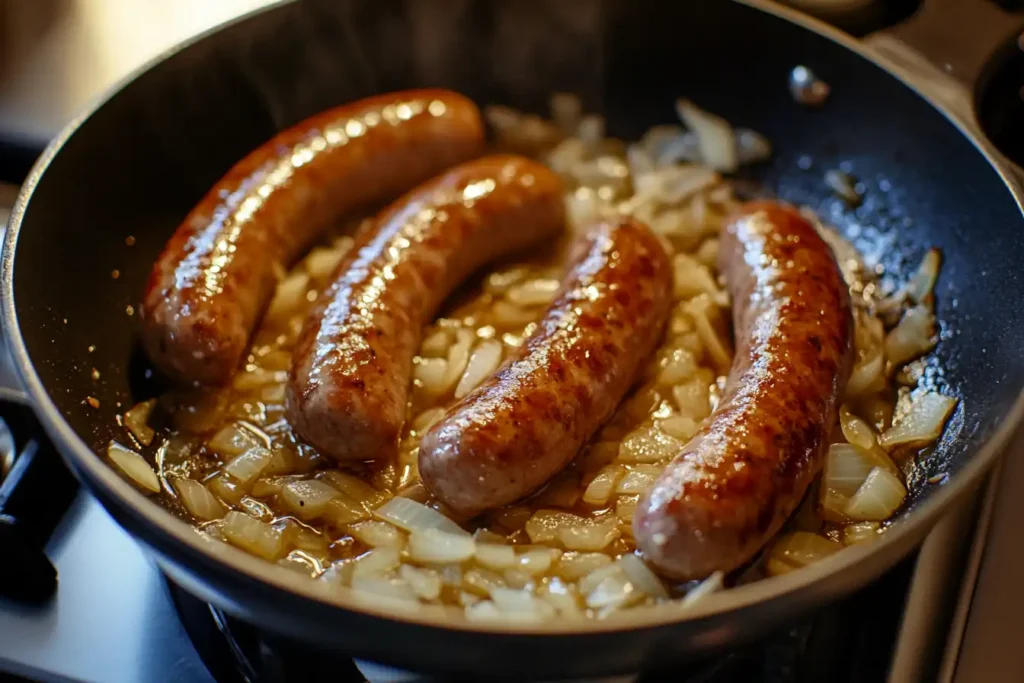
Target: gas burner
{"type": "Point", "coordinates": [848, 642]}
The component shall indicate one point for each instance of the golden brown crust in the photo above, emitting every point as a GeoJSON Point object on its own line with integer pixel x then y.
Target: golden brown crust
{"type": "Point", "coordinates": [525, 423]}
{"type": "Point", "coordinates": [352, 365]}
{"type": "Point", "coordinates": [741, 476]}
{"type": "Point", "coordinates": [218, 271]}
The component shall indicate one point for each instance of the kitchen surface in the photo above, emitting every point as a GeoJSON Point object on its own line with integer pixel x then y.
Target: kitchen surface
{"type": "Point", "coordinates": [950, 612]}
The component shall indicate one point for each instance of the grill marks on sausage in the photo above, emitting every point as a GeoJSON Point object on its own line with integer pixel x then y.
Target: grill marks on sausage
{"type": "Point", "coordinates": [525, 423]}
{"type": "Point", "coordinates": [746, 470]}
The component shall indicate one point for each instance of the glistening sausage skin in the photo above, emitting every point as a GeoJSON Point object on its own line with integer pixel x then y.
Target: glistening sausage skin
{"type": "Point", "coordinates": [735, 483]}
{"type": "Point", "coordinates": [217, 273]}
{"type": "Point", "coordinates": [525, 423]}
{"type": "Point", "coordinates": [352, 365]}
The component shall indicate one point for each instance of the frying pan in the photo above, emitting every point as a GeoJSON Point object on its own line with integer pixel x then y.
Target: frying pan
{"type": "Point", "coordinates": [112, 187]}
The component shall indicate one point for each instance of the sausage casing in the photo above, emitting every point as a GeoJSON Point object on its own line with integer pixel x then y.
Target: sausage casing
{"type": "Point", "coordinates": [525, 423]}
{"type": "Point", "coordinates": [352, 365]}
{"type": "Point", "coordinates": [735, 483]}
{"type": "Point", "coordinates": [218, 271]}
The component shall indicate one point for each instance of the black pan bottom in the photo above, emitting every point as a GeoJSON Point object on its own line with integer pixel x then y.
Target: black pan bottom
{"type": "Point", "coordinates": [848, 642]}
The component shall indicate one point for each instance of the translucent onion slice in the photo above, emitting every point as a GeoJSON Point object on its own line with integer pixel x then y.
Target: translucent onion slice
{"type": "Point", "coordinates": [648, 445]}
{"type": "Point", "coordinates": [355, 488]}
{"type": "Point", "coordinates": [572, 565]}
{"type": "Point", "coordinates": [482, 363]}
{"type": "Point", "coordinates": [458, 356]}
{"type": "Point", "coordinates": [377, 534]}
{"type": "Point", "coordinates": [865, 375]}
{"type": "Point", "coordinates": [321, 261]}
{"type": "Point", "coordinates": [712, 584]}
{"type": "Point", "coordinates": [412, 516]}
{"type": "Point", "coordinates": [862, 532]}
{"type": "Point", "coordinates": [690, 278]}
{"type": "Point", "coordinates": [799, 549]}
{"type": "Point", "coordinates": [432, 374]}
{"type": "Point", "coordinates": [308, 499]}
{"type": "Point", "coordinates": [233, 440]}
{"type": "Point", "coordinates": [614, 590]}
{"type": "Point", "coordinates": [912, 337]}
{"type": "Point", "coordinates": [562, 596]}
{"type": "Point", "coordinates": [134, 465]}
{"type": "Point", "coordinates": [538, 560]}
{"type": "Point", "coordinates": [922, 424]}
{"type": "Point", "coordinates": [522, 605]}
{"type": "Point", "coordinates": [253, 536]}
{"type": "Point", "coordinates": [425, 583]}
{"type": "Point", "coordinates": [537, 292]}
{"type": "Point", "coordinates": [846, 468]}
{"type": "Point", "coordinates": [249, 465]}
{"type": "Point", "coordinates": [343, 511]}
{"type": "Point", "coordinates": [857, 431]}
{"type": "Point", "coordinates": [639, 479]}
{"type": "Point", "coordinates": [198, 500]}
{"type": "Point", "coordinates": [600, 488]}
{"type": "Point", "coordinates": [289, 297]}
{"type": "Point", "coordinates": [381, 590]}
{"type": "Point", "coordinates": [589, 536]}
{"type": "Point", "coordinates": [677, 367]}
{"type": "Point", "coordinates": [439, 547]}
{"type": "Point", "coordinates": [922, 282]}
{"type": "Point", "coordinates": [377, 562]}
{"type": "Point", "coordinates": [679, 427]}
{"type": "Point", "coordinates": [137, 421]}
{"type": "Point", "coordinates": [878, 498]}
{"type": "Point", "coordinates": [497, 557]}
{"type": "Point", "coordinates": [642, 578]}
{"type": "Point", "coordinates": [715, 137]}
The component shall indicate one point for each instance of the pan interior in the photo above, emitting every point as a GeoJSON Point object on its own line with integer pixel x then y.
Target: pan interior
{"type": "Point", "coordinates": [119, 185]}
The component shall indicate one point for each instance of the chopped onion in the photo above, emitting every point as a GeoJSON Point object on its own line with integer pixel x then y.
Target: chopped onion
{"type": "Point", "coordinates": [865, 375]}
{"type": "Point", "coordinates": [589, 536]}
{"type": "Point", "coordinates": [412, 516]}
{"type": "Point", "coordinates": [690, 278]}
{"type": "Point", "coordinates": [383, 590]}
{"type": "Point", "coordinates": [522, 605]}
{"type": "Point", "coordinates": [137, 419]}
{"type": "Point", "coordinates": [425, 583]}
{"type": "Point", "coordinates": [290, 295]}
{"type": "Point", "coordinates": [642, 578]}
{"type": "Point", "coordinates": [343, 511]}
{"type": "Point", "coordinates": [377, 562]}
{"type": "Point", "coordinates": [482, 364]}
{"type": "Point", "coordinates": [799, 549]}
{"type": "Point", "coordinates": [572, 565]}
{"type": "Point", "coordinates": [482, 582]}
{"type": "Point", "coordinates": [677, 367]}
{"type": "Point", "coordinates": [458, 356]}
{"type": "Point", "coordinates": [198, 500]}
{"type": "Point", "coordinates": [751, 147]}
{"type": "Point", "coordinates": [501, 281]}
{"type": "Point", "coordinates": [921, 284]}
{"type": "Point", "coordinates": [700, 309]}
{"type": "Point", "coordinates": [679, 427]}
{"type": "Point", "coordinates": [432, 374]}
{"type": "Point", "coordinates": [683, 149]}
{"type": "Point", "coordinates": [639, 479]}
{"type": "Point", "coordinates": [846, 468]}
{"type": "Point", "coordinates": [862, 532]}
{"type": "Point", "coordinates": [233, 440]}
{"type": "Point", "coordinates": [625, 507]}
{"type": "Point", "coordinates": [134, 465]}
{"type": "Point", "coordinates": [308, 499]}
{"type": "Point", "coordinates": [427, 419]}
{"type": "Point", "coordinates": [254, 536]}
{"type": "Point", "coordinates": [507, 315]}
{"type": "Point", "coordinates": [226, 488]}
{"type": "Point", "coordinates": [600, 488]}
{"type": "Point", "coordinates": [857, 431]}
{"type": "Point", "coordinates": [648, 445]}
{"type": "Point", "coordinates": [355, 488]}
{"type": "Point", "coordinates": [878, 498]}
{"type": "Point", "coordinates": [712, 584]}
{"type": "Point", "coordinates": [377, 534]}
{"type": "Point", "coordinates": [440, 547]}
{"type": "Point", "coordinates": [537, 561]}
{"type": "Point", "coordinates": [545, 526]}
{"type": "Point", "coordinates": [693, 397]}
{"type": "Point", "coordinates": [563, 597]}
{"type": "Point", "coordinates": [497, 557]}
{"type": "Point", "coordinates": [436, 344]}
{"type": "Point", "coordinates": [615, 591]}
{"type": "Point", "coordinates": [913, 336]}
{"type": "Point", "coordinates": [249, 465]}
{"type": "Point", "coordinates": [922, 424]}
{"type": "Point", "coordinates": [321, 261]}
{"type": "Point", "coordinates": [714, 136]}
{"type": "Point", "coordinates": [536, 292]}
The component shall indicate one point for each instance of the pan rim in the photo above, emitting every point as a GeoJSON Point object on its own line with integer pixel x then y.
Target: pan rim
{"type": "Point", "coordinates": [90, 466]}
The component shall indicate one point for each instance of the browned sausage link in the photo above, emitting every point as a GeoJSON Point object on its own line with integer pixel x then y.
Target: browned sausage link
{"type": "Point", "coordinates": [352, 365]}
{"type": "Point", "coordinates": [218, 271]}
{"type": "Point", "coordinates": [525, 423]}
{"type": "Point", "coordinates": [735, 483]}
